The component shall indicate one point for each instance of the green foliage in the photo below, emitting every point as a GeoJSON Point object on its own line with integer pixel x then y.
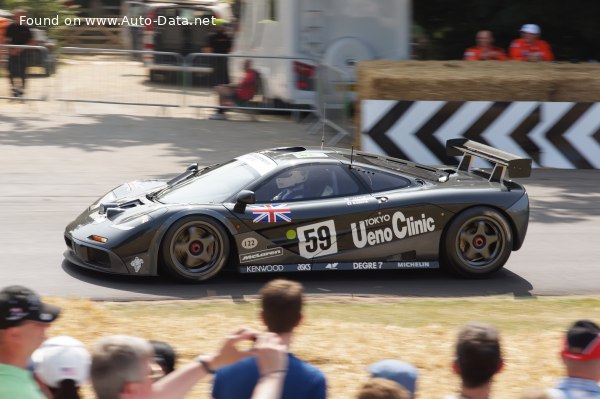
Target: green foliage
{"type": "Point", "coordinates": [450, 25]}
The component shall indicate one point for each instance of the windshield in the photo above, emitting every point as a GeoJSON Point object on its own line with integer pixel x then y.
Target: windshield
{"type": "Point", "coordinates": [214, 186]}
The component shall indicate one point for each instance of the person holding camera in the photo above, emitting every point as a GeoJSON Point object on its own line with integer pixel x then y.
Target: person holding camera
{"type": "Point", "coordinates": [281, 313]}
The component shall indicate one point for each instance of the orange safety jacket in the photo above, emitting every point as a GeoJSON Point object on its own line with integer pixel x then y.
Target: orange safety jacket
{"type": "Point", "coordinates": [520, 50]}
{"type": "Point", "coordinates": [477, 54]}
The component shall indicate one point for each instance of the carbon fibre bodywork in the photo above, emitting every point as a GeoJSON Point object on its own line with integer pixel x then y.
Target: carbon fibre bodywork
{"type": "Point", "coordinates": [352, 223]}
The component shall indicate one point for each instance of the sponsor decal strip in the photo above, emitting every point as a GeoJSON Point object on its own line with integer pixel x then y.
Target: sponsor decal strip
{"type": "Point", "coordinates": [371, 265]}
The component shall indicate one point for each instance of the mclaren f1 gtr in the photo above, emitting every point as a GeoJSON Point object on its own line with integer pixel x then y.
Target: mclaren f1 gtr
{"type": "Point", "coordinates": [299, 209]}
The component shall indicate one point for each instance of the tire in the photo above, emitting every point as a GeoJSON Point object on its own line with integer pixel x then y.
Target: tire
{"type": "Point", "coordinates": [477, 243]}
{"type": "Point", "coordinates": [194, 249]}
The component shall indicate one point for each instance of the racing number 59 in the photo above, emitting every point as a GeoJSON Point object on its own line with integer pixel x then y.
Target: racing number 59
{"type": "Point", "coordinates": [317, 239]}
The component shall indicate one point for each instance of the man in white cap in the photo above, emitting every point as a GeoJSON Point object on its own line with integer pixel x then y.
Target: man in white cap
{"type": "Point", "coordinates": [530, 47]}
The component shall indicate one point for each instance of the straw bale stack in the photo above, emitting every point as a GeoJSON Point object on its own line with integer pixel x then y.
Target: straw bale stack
{"type": "Point", "coordinates": [478, 81]}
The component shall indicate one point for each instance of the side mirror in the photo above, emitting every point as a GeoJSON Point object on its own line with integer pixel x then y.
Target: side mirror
{"type": "Point", "coordinates": [245, 197]}
{"type": "Point", "coordinates": [193, 167]}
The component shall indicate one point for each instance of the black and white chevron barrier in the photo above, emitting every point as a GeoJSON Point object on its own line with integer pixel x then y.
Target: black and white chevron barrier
{"type": "Point", "coordinates": [552, 134]}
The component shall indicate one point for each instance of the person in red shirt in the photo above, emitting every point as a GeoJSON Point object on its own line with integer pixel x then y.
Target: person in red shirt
{"type": "Point", "coordinates": [238, 94]}
{"type": "Point", "coordinates": [530, 47]}
{"type": "Point", "coordinates": [484, 50]}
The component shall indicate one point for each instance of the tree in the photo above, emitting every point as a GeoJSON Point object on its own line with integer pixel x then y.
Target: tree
{"type": "Point", "coordinates": [569, 27]}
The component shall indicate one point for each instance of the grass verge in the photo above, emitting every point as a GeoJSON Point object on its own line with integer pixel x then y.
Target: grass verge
{"type": "Point", "coordinates": [343, 336]}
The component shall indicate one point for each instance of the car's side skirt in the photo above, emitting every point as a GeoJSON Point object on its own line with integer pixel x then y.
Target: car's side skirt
{"type": "Point", "coordinates": [314, 267]}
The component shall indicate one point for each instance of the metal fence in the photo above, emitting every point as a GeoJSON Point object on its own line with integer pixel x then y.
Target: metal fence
{"type": "Point", "coordinates": [276, 77]}
{"type": "Point", "coordinates": [107, 74]}
{"type": "Point", "coordinates": [168, 79]}
{"type": "Point", "coordinates": [335, 102]}
{"type": "Point", "coordinates": [36, 61]}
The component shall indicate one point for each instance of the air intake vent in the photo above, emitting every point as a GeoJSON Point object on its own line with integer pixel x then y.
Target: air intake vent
{"type": "Point", "coordinates": [288, 149]}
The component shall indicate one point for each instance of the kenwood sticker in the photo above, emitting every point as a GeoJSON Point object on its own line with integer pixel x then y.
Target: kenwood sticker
{"type": "Point", "coordinates": [259, 255]}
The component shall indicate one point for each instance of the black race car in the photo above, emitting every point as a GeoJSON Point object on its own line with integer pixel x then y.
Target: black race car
{"type": "Point", "coordinates": [302, 209]}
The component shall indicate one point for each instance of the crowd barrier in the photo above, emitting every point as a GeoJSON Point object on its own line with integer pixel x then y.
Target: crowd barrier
{"type": "Point", "coordinates": [109, 71]}
{"type": "Point", "coordinates": [36, 57]}
{"type": "Point", "coordinates": [168, 79]}
{"type": "Point", "coordinates": [335, 102]}
{"type": "Point", "coordinates": [276, 77]}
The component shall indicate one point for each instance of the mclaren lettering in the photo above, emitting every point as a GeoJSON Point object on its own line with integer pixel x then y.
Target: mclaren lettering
{"type": "Point", "coordinates": [269, 253]}
{"type": "Point", "coordinates": [401, 227]}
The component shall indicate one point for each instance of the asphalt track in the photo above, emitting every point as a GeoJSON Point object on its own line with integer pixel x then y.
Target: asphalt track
{"type": "Point", "coordinates": [53, 165]}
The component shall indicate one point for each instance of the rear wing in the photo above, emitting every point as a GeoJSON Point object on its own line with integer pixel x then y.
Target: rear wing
{"type": "Point", "coordinates": [504, 162]}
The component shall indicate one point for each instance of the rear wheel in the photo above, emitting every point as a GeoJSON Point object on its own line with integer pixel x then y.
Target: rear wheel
{"type": "Point", "coordinates": [477, 242]}
{"type": "Point", "coordinates": [194, 249]}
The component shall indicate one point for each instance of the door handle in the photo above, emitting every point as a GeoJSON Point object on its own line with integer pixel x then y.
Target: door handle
{"type": "Point", "coordinates": [382, 200]}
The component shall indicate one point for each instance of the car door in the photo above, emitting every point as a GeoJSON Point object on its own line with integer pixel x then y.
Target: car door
{"type": "Point", "coordinates": [409, 226]}
{"type": "Point", "coordinates": [303, 216]}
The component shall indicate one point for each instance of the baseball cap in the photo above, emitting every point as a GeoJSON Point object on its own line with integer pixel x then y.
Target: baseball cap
{"type": "Point", "coordinates": [531, 28]}
{"type": "Point", "coordinates": [582, 341]}
{"type": "Point", "coordinates": [401, 372]}
{"type": "Point", "coordinates": [18, 303]}
{"type": "Point", "coordinates": [61, 358]}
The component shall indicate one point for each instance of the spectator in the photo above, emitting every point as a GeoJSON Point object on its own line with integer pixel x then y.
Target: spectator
{"type": "Point", "coordinates": [272, 360]}
{"type": "Point", "coordinates": [165, 357]}
{"type": "Point", "coordinates": [281, 302]}
{"type": "Point", "coordinates": [383, 388]}
{"type": "Point", "coordinates": [61, 365]}
{"type": "Point", "coordinates": [237, 95]}
{"type": "Point", "coordinates": [219, 42]}
{"type": "Point", "coordinates": [530, 47]}
{"type": "Point", "coordinates": [478, 359]}
{"type": "Point", "coordinates": [121, 368]}
{"type": "Point", "coordinates": [581, 356]}
{"type": "Point", "coordinates": [18, 33]}
{"type": "Point", "coordinates": [484, 49]}
{"type": "Point", "coordinates": [23, 323]}
{"type": "Point", "coordinates": [398, 371]}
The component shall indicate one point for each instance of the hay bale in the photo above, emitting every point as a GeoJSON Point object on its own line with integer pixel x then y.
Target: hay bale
{"type": "Point", "coordinates": [478, 81]}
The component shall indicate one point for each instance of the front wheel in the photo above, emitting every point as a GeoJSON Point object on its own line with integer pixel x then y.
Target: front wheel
{"type": "Point", "coordinates": [194, 249]}
{"type": "Point", "coordinates": [477, 242]}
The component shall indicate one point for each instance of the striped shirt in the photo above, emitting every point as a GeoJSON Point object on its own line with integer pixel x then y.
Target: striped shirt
{"type": "Point", "coordinates": [575, 388]}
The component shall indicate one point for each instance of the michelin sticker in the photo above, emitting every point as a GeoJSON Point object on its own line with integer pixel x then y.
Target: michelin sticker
{"type": "Point", "coordinates": [318, 239]}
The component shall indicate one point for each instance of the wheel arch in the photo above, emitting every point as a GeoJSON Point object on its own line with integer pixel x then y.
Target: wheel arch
{"type": "Point", "coordinates": [155, 250]}
{"type": "Point", "coordinates": [509, 220]}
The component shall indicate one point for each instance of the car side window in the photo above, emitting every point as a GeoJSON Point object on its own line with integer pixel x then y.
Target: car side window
{"type": "Point", "coordinates": [307, 182]}
{"type": "Point", "coordinates": [378, 181]}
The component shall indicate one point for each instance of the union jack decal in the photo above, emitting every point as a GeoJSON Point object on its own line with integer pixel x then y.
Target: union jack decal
{"type": "Point", "coordinates": [272, 213]}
